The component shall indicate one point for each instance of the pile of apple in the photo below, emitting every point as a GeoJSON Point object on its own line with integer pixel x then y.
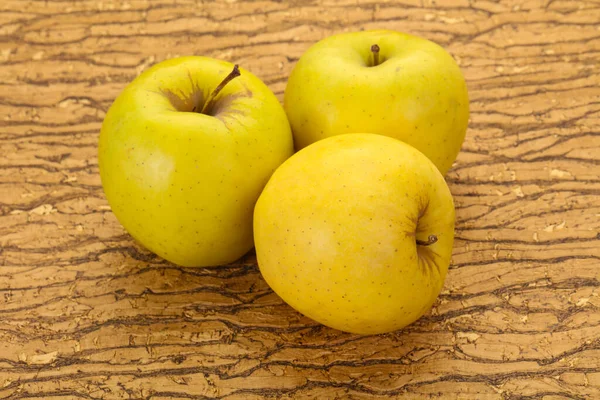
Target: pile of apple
{"type": "Point", "coordinates": [356, 229]}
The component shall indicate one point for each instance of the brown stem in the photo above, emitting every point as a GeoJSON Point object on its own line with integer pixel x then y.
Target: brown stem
{"type": "Point", "coordinates": [211, 98]}
{"type": "Point", "coordinates": [375, 51]}
{"type": "Point", "coordinates": [430, 240]}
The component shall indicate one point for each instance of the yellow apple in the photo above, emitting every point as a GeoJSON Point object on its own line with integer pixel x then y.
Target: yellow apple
{"type": "Point", "coordinates": [383, 82]}
{"type": "Point", "coordinates": [356, 232]}
{"type": "Point", "coordinates": [185, 151]}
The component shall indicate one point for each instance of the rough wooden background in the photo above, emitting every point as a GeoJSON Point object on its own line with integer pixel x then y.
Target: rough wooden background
{"type": "Point", "coordinates": [85, 313]}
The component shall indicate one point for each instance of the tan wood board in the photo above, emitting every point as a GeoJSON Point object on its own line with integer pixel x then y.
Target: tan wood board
{"type": "Point", "coordinates": [86, 313]}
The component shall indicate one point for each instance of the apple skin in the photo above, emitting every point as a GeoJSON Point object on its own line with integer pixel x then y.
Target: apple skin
{"type": "Point", "coordinates": [416, 94]}
{"type": "Point", "coordinates": [336, 228]}
{"type": "Point", "coordinates": [182, 183]}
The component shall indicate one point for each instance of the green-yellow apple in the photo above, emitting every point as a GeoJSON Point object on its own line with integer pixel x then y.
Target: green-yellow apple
{"type": "Point", "coordinates": [355, 231]}
{"type": "Point", "coordinates": [185, 150]}
{"type": "Point", "coordinates": [383, 82]}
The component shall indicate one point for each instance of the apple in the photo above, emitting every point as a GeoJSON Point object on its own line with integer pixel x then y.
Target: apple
{"type": "Point", "coordinates": [355, 231]}
{"type": "Point", "coordinates": [383, 82]}
{"type": "Point", "coordinates": [184, 152]}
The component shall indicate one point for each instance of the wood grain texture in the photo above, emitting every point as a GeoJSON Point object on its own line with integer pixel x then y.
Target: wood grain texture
{"type": "Point", "coordinates": [85, 313]}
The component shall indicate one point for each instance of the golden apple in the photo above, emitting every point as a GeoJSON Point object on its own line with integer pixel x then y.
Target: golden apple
{"type": "Point", "coordinates": [185, 151]}
{"type": "Point", "coordinates": [356, 232]}
{"type": "Point", "coordinates": [382, 82]}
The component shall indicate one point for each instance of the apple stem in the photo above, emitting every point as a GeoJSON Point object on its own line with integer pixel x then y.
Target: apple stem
{"type": "Point", "coordinates": [375, 51]}
{"type": "Point", "coordinates": [211, 98]}
{"type": "Point", "coordinates": [430, 240]}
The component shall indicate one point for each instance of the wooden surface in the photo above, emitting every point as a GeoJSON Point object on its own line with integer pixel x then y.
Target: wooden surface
{"type": "Point", "coordinates": [85, 313]}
